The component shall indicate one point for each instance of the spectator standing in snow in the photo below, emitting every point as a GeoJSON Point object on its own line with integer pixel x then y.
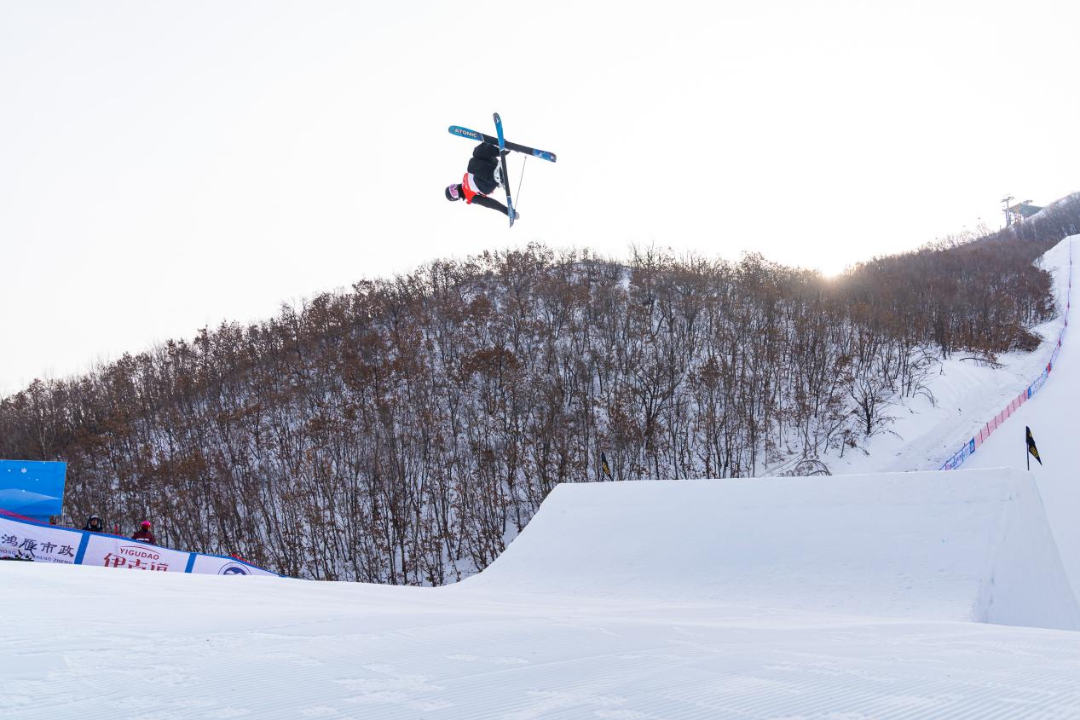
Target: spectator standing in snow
{"type": "Point", "coordinates": [144, 534]}
{"type": "Point", "coordinates": [94, 524]}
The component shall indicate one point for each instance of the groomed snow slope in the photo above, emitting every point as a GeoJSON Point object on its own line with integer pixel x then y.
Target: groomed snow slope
{"type": "Point", "coordinates": [1052, 417]}
{"type": "Point", "coordinates": [90, 643]}
{"type": "Point", "coordinates": [944, 546]}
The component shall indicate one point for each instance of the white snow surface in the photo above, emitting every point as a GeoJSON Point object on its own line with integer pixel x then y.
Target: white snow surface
{"type": "Point", "coordinates": [1052, 416]}
{"type": "Point", "coordinates": [965, 545]}
{"type": "Point", "coordinates": [866, 596]}
{"type": "Point", "coordinates": [86, 642]}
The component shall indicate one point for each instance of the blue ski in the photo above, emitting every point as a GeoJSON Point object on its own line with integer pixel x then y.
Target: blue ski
{"type": "Point", "coordinates": [481, 137]}
{"type": "Point", "coordinates": [505, 177]}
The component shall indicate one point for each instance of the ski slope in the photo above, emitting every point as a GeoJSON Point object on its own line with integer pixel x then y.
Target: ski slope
{"type": "Point", "coordinates": [1051, 415]}
{"type": "Point", "coordinates": [966, 394]}
{"type": "Point", "coordinates": [902, 595]}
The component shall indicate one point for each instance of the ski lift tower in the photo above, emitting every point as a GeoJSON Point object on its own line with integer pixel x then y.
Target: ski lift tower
{"type": "Point", "coordinates": [1022, 211]}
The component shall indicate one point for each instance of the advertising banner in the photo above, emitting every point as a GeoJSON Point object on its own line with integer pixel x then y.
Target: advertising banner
{"type": "Point", "coordinates": [41, 543]}
{"type": "Point", "coordinates": [117, 552]}
{"type": "Point", "coordinates": [24, 539]}
{"type": "Point", "coordinates": [214, 565]}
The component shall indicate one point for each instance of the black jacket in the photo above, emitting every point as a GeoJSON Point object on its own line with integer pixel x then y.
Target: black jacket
{"type": "Point", "coordinates": [487, 202]}
{"type": "Point", "coordinates": [485, 159]}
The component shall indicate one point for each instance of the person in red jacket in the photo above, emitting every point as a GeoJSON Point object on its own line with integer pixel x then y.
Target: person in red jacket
{"type": "Point", "coordinates": [144, 534]}
{"type": "Point", "coordinates": [483, 177]}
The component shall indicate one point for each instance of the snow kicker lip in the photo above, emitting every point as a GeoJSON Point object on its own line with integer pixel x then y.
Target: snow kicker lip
{"type": "Point", "coordinates": [971, 545]}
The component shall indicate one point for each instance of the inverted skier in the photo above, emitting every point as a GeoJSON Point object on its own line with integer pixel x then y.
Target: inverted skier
{"type": "Point", "coordinates": [483, 177]}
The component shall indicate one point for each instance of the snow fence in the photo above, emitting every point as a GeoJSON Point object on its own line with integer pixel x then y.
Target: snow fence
{"type": "Point", "coordinates": [972, 546]}
{"type": "Point", "coordinates": [25, 539]}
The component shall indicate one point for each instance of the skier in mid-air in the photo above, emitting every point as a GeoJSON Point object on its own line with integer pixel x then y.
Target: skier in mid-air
{"type": "Point", "coordinates": [482, 178]}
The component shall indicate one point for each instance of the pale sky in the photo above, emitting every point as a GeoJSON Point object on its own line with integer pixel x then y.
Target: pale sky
{"type": "Point", "coordinates": [168, 165]}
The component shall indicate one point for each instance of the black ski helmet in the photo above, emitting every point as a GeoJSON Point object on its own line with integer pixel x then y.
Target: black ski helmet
{"type": "Point", "coordinates": [453, 192]}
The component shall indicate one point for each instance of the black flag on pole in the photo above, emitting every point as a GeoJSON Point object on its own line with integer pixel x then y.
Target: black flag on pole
{"type": "Point", "coordinates": [1031, 445]}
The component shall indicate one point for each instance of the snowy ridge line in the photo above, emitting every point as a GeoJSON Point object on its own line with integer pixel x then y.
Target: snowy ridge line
{"type": "Point", "coordinates": [972, 445]}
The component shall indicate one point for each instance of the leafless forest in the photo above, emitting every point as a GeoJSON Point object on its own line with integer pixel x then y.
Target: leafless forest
{"type": "Point", "coordinates": [403, 431]}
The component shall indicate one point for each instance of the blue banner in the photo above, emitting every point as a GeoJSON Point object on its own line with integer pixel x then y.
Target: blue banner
{"type": "Point", "coordinates": [33, 489]}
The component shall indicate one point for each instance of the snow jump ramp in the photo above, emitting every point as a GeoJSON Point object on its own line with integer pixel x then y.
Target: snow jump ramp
{"type": "Point", "coordinates": [964, 545]}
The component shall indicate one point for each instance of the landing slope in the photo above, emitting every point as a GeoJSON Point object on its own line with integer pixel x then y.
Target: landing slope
{"type": "Point", "coordinates": [89, 643]}
{"type": "Point", "coordinates": [1051, 415]}
{"type": "Point", "coordinates": [934, 545]}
